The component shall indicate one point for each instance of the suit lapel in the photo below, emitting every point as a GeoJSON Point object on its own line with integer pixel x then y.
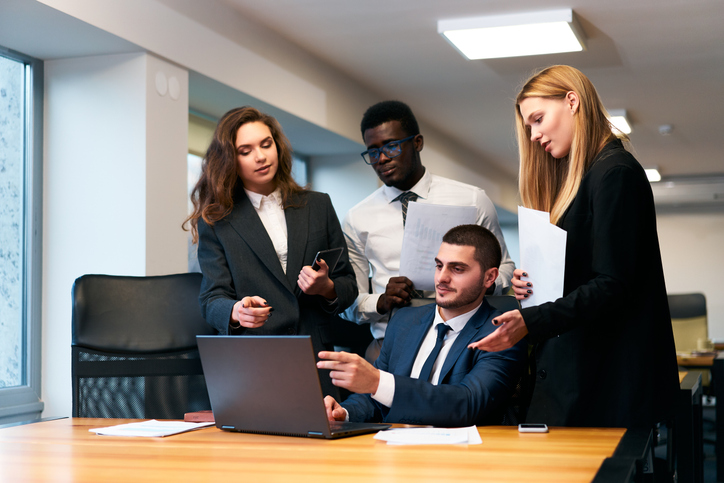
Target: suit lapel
{"type": "Point", "coordinates": [297, 232]}
{"type": "Point", "coordinates": [418, 335]}
{"type": "Point", "coordinates": [466, 336]}
{"type": "Point", "coordinates": [246, 222]}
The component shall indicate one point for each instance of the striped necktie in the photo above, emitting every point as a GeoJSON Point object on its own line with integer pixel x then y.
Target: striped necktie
{"type": "Point", "coordinates": [405, 199]}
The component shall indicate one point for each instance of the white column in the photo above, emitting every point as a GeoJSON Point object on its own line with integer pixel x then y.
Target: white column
{"type": "Point", "coordinates": [114, 186]}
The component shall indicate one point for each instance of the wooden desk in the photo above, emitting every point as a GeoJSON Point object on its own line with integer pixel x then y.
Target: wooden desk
{"type": "Point", "coordinates": [695, 360]}
{"type": "Point", "coordinates": [64, 450]}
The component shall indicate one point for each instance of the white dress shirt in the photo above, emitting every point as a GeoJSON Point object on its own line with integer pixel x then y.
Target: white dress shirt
{"type": "Point", "coordinates": [373, 230]}
{"type": "Point", "coordinates": [271, 212]}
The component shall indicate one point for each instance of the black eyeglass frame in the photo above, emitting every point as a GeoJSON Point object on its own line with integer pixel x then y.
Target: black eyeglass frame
{"type": "Point", "coordinates": [375, 152]}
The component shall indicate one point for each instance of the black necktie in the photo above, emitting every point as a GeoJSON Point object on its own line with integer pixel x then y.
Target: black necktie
{"type": "Point", "coordinates": [405, 199]}
{"type": "Point", "coordinates": [426, 371]}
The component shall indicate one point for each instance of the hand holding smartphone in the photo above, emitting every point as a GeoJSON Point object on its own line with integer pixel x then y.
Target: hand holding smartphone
{"type": "Point", "coordinates": [330, 257]}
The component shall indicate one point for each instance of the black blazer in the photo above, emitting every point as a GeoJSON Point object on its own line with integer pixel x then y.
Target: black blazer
{"type": "Point", "coordinates": [237, 259]}
{"type": "Point", "coordinates": [605, 351]}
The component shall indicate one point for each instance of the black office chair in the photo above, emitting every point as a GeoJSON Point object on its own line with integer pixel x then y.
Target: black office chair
{"type": "Point", "coordinates": [504, 303]}
{"type": "Point", "coordinates": [134, 352]}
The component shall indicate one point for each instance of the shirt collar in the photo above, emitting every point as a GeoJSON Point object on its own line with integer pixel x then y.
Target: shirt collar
{"type": "Point", "coordinates": [421, 188]}
{"type": "Point", "coordinates": [257, 198]}
{"type": "Point", "coordinates": [456, 323]}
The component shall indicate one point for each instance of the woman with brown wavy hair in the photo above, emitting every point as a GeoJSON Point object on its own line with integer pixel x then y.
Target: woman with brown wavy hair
{"type": "Point", "coordinates": [604, 353]}
{"type": "Point", "coordinates": [258, 233]}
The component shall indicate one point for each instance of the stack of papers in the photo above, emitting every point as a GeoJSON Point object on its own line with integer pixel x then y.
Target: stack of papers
{"type": "Point", "coordinates": [150, 429]}
{"type": "Point", "coordinates": [405, 436]}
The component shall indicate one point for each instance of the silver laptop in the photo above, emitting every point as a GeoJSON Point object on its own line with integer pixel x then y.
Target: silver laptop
{"type": "Point", "coordinates": [269, 385]}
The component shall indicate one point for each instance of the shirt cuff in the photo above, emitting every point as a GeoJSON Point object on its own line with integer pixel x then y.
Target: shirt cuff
{"type": "Point", "coordinates": [385, 390]}
{"type": "Point", "coordinates": [368, 308]}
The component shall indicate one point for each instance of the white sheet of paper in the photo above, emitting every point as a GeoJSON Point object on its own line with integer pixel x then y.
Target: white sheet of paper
{"type": "Point", "coordinates": [416, 436]}
{"type": "Point", "coordinates": [542, 255]}
{"type": "Point", "coordinates": [425, 226]}
{"type": "Point", "coordinates": [150, 429]}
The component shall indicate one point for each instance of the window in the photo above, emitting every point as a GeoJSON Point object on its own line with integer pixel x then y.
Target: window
{"type": "Point", "coordinates": [20, 235]}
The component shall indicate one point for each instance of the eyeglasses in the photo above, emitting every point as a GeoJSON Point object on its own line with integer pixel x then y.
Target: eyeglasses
{"type": "Point", "coordinates": [391, 150]}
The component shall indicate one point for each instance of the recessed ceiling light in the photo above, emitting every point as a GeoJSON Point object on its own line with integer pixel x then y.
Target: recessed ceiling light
{"type": "Point", "coordinates": [653, 174]}
{"type": "Point", "coordinates": [619, 119]}
{"type": "Point", "coordinates": [666, 129]}
{"type": "Point", "coordinates": [514, 35]}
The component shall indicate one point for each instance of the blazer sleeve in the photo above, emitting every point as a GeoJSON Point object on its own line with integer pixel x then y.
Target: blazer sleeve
{"type": "Point", "coordinates": [477, 398]}
{"type": "Point", "coordinates": [343, 276]}
{"type": "Point", "coordinates": [622, 224]}
{"type": "Point", "coordinates": [361, 407]}
{"type": "Point", "coordinates": [217, 296]}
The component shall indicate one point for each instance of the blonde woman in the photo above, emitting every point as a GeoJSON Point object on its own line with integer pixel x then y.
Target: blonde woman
{"type": "Point", "coordinates": [604, 353]}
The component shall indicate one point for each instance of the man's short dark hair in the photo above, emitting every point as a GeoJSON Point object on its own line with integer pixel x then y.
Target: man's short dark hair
{"type": "Point", "coordinates": [387, 111]}
{"type": "Point", "coordinates": [487, 247]}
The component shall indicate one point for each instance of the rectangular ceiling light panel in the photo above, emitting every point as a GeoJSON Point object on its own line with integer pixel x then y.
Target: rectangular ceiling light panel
{"type": "Point", "coordinates": [619, 119]}
{"type": "Point", "coordinates": [514, 35]}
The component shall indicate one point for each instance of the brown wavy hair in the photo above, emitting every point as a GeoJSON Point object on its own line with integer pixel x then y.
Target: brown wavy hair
{"type": "Point", "coordinates": [213, 195]}
{"type": "Point", "coordinates": [550, 184]}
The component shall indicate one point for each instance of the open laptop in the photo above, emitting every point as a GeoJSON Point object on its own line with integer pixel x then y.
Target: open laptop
{"type": "Point", "coordinates": [270, 385]}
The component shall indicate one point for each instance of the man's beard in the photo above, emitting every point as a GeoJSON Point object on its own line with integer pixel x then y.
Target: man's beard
{"type": "Point", "coordinates": [464, 297]}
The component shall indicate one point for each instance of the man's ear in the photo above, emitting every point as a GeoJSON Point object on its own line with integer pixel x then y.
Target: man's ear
{"type": "Point", "coordinates": [490, 275]}
{"type": "Point", "coordinates": [418, 141]}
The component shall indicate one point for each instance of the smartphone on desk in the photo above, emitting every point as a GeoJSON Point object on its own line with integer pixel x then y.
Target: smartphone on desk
{"type": "Point", "coordinates": [532, 428]}
{"type": "Point", "coordinates": [330, 257]}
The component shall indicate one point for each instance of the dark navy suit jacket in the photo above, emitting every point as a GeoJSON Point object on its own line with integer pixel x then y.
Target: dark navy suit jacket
{"type": "Point", "coordinates": [474, 387]}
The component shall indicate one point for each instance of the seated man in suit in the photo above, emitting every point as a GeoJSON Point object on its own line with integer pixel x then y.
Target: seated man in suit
{"type": "Point", "coordinates": [425, 374]}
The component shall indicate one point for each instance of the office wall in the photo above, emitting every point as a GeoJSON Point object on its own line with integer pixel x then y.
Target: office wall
{"type": "Point", "coordinates": [204, 36]}
{"type": "Point", "coordinates": [691, 249]}
{"type": "Point", "coordinates": [346, 178]}
{"type": "Point", "coordinates": [114, 187]}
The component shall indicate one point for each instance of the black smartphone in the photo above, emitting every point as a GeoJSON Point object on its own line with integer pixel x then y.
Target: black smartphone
{"type": "Point", "coordinates": [330, 257]}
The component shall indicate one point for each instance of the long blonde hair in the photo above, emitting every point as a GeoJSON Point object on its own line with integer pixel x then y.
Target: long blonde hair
{"type": "Point", "coordinates": [550, 184]}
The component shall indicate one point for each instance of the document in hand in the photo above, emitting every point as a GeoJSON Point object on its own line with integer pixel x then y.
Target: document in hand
{"type": "Point", "coordinates": [542, 255]}
{"type": "Point", "coordinates": [425, 226]}
{"type": "Point", "coordinates": [414, 436]}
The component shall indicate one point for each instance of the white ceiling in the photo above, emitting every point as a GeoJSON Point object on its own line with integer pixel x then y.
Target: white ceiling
{"type": "Point", "coordinates": [662, 60]}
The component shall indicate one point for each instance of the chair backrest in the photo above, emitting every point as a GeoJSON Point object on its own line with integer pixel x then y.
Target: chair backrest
{"type": "Point", "coordinates": [133, 344]}
{"type": "Point", "coordinates": [504, 303]}
{"type": "Point", "coordinates": [688, 320]}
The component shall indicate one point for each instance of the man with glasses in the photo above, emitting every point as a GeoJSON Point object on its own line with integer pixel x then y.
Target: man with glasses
{"type": "Point", "coordinates": [374, 228]}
